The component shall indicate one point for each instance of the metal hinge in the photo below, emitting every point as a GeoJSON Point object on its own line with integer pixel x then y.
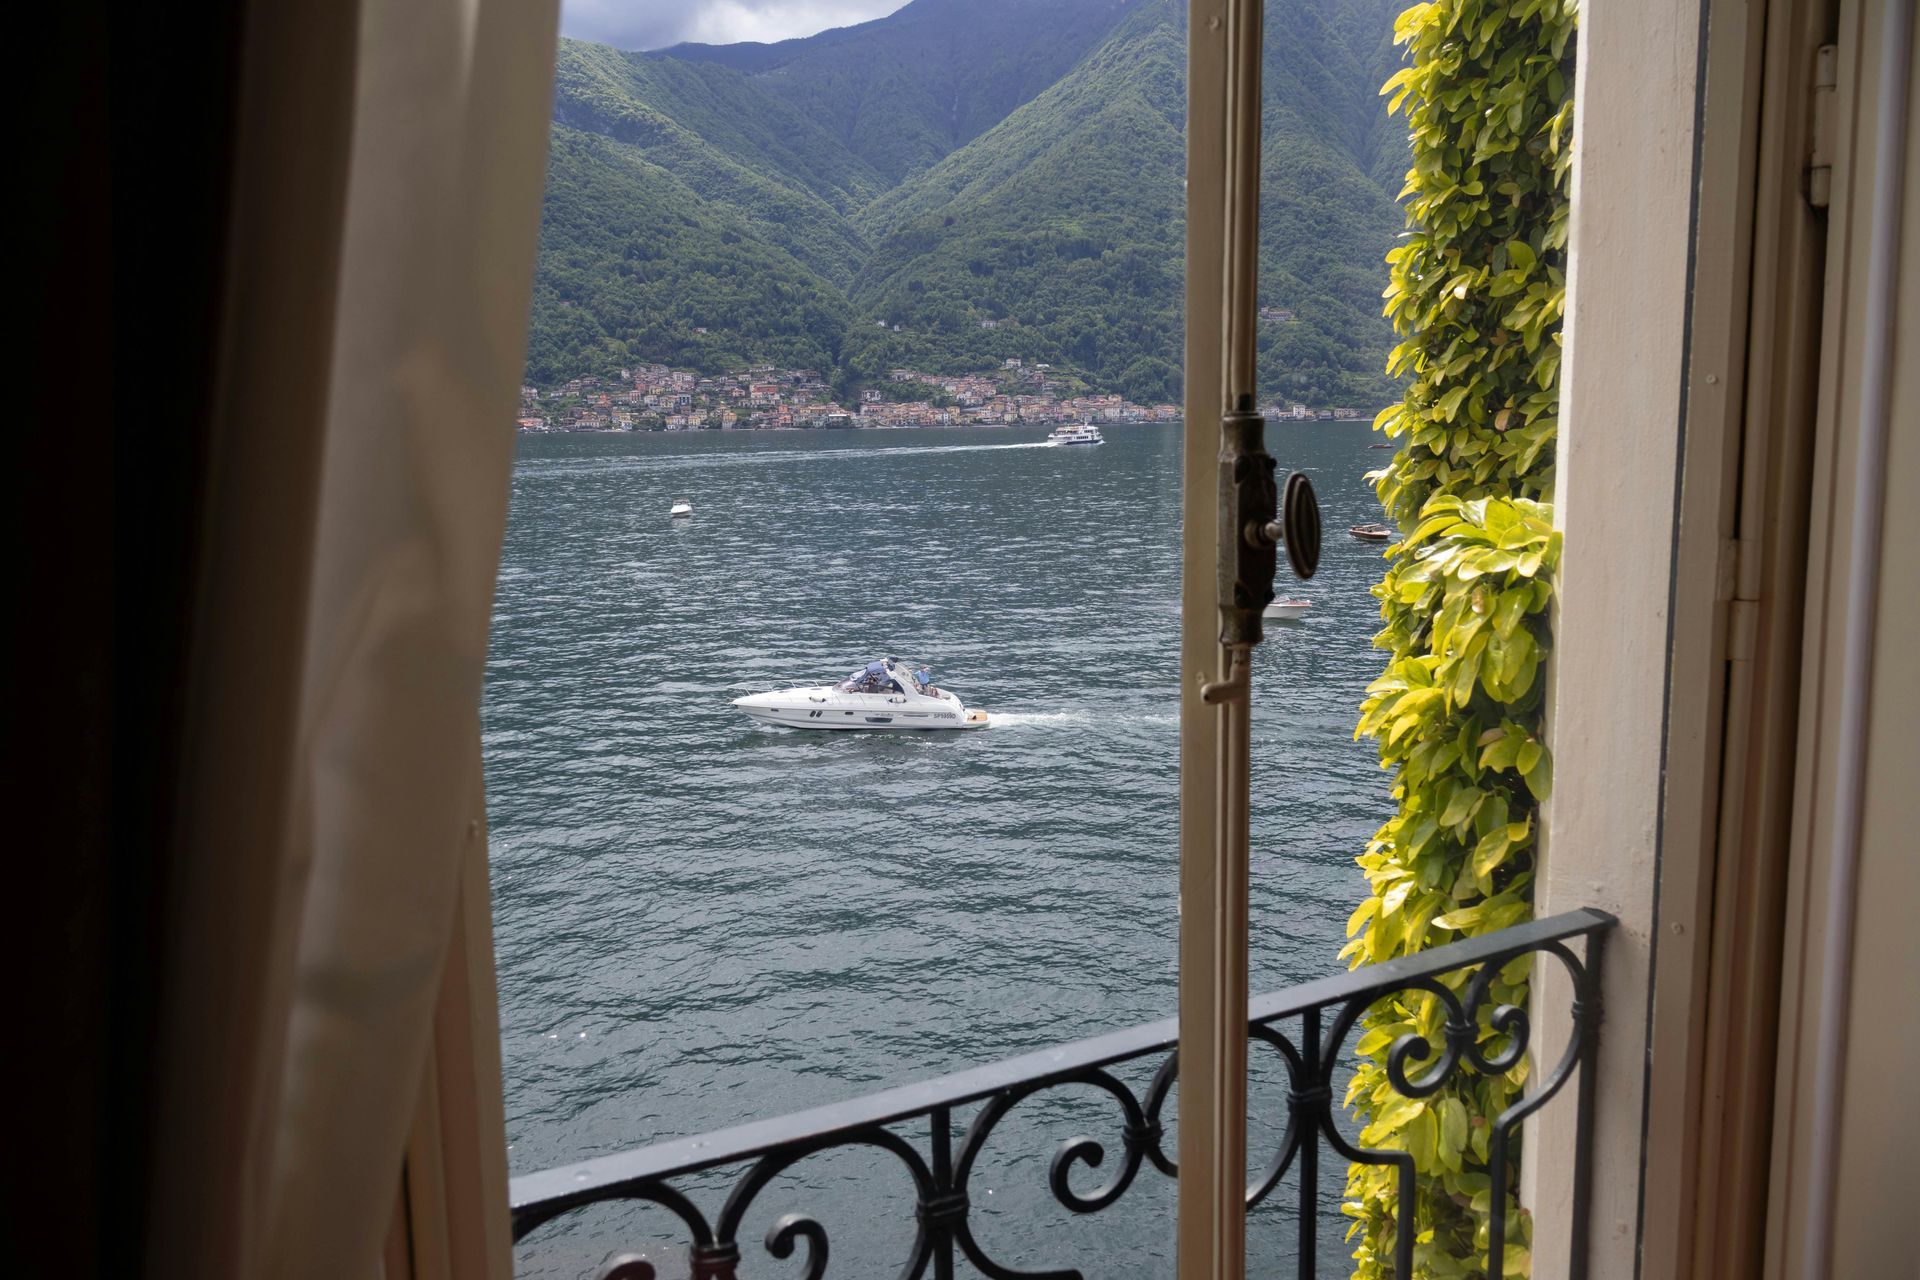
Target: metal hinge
{"type": "Point", "coordinates": [1727, 570]}
{"type": "Point", "coordinates": [1739, 587]}
{"type": "Point", "coordinates": [1825, 127]}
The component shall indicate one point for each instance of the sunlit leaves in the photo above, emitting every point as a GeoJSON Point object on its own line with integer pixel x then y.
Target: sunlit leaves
{"type": "Point", "coordinates": [1476, 293]}
{"type": "Point", "coordinates": [1477, 285]}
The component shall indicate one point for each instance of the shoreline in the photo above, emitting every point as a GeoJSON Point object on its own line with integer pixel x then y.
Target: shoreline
{"type": "Point", "coordinates": [957, 426]}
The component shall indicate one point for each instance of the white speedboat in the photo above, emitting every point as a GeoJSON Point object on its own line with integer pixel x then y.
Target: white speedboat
{"type": "Point", "coordinates": [881, 695]}
{"type": "Point", "coordinates": [681, 507]}
{"type": "Point", "coordinates": [1288, 610]}
{"type": "Point", "coordinates": [1076, 433]}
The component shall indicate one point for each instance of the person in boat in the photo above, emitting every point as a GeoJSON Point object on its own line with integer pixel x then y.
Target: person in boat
{"type": "Point", "coordinates": [872, 678]}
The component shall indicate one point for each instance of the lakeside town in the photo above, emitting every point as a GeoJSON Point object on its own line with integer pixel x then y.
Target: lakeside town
{"type": "Point", "coordinates": [762, 398]}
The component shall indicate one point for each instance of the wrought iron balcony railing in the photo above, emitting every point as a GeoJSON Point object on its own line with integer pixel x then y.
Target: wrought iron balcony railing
{"type": "Point", "coordinates": [983, 1097]}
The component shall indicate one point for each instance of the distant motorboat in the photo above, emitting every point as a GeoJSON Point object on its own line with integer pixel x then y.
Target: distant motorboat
{"type": "Point", "coordinates": [1076, 433]}
{"type": "Point", "coordinates": [1371, 532]}
{"type": "Point", "coordinates": [1288, 610]}
{"type": "Point", "coordinates": [1379, 446]}
{"type": "Point", "coordinates": [681, 507]}
{"type": "Point", "coordinates": [880, 695]}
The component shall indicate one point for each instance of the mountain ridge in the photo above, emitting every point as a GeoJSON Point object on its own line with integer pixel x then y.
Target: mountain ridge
{"type": "Point", "coordinates": [903, 90]}
{"type": "Point", "coordinates": [750, 215]}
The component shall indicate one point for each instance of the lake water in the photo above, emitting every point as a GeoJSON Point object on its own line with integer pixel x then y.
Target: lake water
{"type": "Point", "coordinates": [700, 921]}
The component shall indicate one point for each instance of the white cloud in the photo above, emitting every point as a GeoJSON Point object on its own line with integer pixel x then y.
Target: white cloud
{"type": "Point", "coordinates": [654, 24]}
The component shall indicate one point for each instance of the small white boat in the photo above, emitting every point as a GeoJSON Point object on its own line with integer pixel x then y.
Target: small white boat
{"type": "Point", "coordinates": [1076, 433]}
{"type": "Point", "coordinates": [681, 507]}
{"type": "Point", "coordinates": [879, 696]}
{"type": "Point", "coordinates": [1287, 610]}
{"type": "Point", "coordinates": [1371, 532]}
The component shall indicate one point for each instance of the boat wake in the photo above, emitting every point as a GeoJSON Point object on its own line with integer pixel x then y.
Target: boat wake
{"type": "Point", "coordinates": [762, 457]}
{"type": "Point", "coordinates": [889, 451]}
{"type": "Point", "coordinates": [1038, 719]}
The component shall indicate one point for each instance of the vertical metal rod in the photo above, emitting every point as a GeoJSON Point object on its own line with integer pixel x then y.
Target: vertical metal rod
{"type": "Point", "coordinates": [1243, 201]}
{"type": "Point", "coordinates": [942, 1122]}
{"type": "Point", "coordinates": [1310, 1150]}
{"type": "Point", "coordinates": [1229, 1160]}
{"type": "Point", "coordinates": [1242, 252]}
{"type": "Point", "coordinates": [1497, 1203]}
{"type": "Point", "coordinates": [1586, 1021]}
{"type": "Point", "coordinates": [1409, 1224]}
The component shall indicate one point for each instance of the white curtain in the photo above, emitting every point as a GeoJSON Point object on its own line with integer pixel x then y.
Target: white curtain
{"type": "Point", "coordinates": [336, 793]}
{"type": "Point", "coordinates": [443, 194]}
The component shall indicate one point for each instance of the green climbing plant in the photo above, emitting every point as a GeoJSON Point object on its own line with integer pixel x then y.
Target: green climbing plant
{"type": "Point", "coordinates": [1477, 290]}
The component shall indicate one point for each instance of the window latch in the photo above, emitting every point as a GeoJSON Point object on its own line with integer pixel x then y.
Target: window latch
{"type": "Point", "coordinates": [1258, 516]}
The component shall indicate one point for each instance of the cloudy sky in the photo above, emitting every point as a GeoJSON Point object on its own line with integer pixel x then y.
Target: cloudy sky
{"type": "Point", "coordinates": [654, 24]}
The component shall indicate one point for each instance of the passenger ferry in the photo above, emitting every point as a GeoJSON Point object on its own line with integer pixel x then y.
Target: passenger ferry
{"type": "Point", "coordinates": [1076, 433]}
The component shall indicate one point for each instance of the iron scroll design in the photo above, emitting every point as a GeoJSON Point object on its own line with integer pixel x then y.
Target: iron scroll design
{"type": "Point", "coordinates": [940, 1173]}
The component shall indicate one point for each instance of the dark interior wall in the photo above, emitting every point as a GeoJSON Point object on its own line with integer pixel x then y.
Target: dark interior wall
{"type": "Point", "coordinates": [125, 157]}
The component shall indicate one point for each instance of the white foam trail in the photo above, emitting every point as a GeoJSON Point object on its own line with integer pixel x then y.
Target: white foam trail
{"type": "Point", "coordinates": [758, 457]}
{"type": "Point", "coordinates": [779, 455]}
{"type": "Point", "coordinates": [1014, 719]}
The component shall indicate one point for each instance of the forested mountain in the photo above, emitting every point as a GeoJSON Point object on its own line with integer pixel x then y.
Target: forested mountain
{"type": "Point", "coordinates": [963, 181]}
{"type": "Point", "coordinates": [902, 91]}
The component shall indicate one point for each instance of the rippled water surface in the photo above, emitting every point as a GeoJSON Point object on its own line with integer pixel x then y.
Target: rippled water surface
{"type": "Point", "coordinates": [699, 921]}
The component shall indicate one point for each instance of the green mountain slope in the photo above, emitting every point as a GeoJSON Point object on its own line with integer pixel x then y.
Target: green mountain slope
{"type": "Point", "coordinates": [902, 91]}
{"type": "Point", "coordinates": [634, 263]}
{"type": "Point", "coordinates": [1326, 217]}
{"type": "Point", "coordinates": [852, 202]}
{"type": "Point", "coordinates": [728, 142]}
{"type": "Point", "coordinates": [1066, 219]}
